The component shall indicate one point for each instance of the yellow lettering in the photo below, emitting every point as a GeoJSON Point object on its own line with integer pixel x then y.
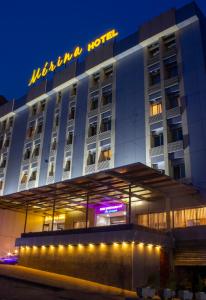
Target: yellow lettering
{"type": "Point", "coordinates": [97, 43]}
{"type": "Point", "coordinates": [77, 51]}
{"type": "Point", "coordinates": [44, 70]}
{"type": "Point", "coordinates": [90, 46]}
{"type": "Point", "coordinates": [103, 38]}
{"type": "Point", "coordinates": [35, 76]}
{"type": "Point", "coordinates": [52, 67]}
{"type": "Point", "coordinates": [67, 57]}
{"type": "Point", "coordinates": [59, 61]}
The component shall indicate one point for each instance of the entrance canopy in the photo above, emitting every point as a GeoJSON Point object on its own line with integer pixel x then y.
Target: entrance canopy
{"type": "Point", "coordinates": [130, 183]}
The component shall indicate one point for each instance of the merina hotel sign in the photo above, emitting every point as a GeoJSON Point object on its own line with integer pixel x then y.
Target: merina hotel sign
{"type": "Point", "coordinates": [68, 56]}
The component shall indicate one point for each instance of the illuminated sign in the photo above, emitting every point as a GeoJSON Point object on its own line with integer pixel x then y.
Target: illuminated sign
{"type": "Point", "coordinates": [111, 209]}
{"type": "Point", "coordinates": [68, 56]}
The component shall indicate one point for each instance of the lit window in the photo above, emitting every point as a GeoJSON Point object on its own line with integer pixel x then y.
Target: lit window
{"type": "Point", "coordinates": [155, 108]}
{"type": "Point", "coordinates": [51, 169]}
{"type": "Point", "coordinates": [24, 177]}
{"type": "Point", "coordinates": [106, 154]}
{"type": "Point", "coordinates": [30, 131]}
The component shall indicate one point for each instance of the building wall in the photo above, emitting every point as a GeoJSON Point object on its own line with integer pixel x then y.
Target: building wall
{"type": "Point", "coordinates": [194, 78]}
{"type": "Point", "coordinates": [122, 265]}
{"type": "Point", "coordinates": [11, 227]}
{"type": "Point", "coordinates": [130, 112]}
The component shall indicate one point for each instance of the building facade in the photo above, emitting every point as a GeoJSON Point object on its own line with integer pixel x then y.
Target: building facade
{"type": "Point", "coordinates": [140, 99]}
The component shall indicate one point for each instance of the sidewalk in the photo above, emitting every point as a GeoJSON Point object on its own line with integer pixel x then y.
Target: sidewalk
{"type": "Point", "coordinates": [77, 287]}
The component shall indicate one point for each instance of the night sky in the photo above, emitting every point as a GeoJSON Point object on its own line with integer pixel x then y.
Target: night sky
{"type": "Point", "coordinates": [33, 32]}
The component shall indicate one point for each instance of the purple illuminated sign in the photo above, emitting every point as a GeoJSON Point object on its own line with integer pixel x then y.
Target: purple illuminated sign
{"type": "Point", "coordinates": [110, 209]}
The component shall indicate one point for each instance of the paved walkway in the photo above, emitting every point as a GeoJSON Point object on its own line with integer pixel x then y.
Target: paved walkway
{"type": "Point", "coordinates": [76, 288]}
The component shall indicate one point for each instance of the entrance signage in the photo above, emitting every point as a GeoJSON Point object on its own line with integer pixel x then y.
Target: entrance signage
{"type": "Point", "coordinates": [51, 66]}
{"type": "Point", "coordinates": [111, 209]}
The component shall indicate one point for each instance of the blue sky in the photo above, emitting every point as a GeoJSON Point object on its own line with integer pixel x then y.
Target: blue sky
{"type": "Point", "coordinates": [33, 32]}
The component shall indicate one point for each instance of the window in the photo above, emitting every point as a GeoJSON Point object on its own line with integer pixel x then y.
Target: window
{"type": "Point", "coordinates": [72, 113]}
{"type": "Point", "coordinates": [1, 184]}
{"type": "Point", "coordinates": [67, 165]}
{"type": "Point", "coordinates": [171, 69]}
{"type": "Point", "coordinates": [158, 139]}
{"type": "Point", "coordinates": [169, 42]}
{"type": "Point", "coordinates": [106, 122]}
{"type": "Point", "coordinates": [179, 171]}
{"type": "Point", "coordinates": [1, 143]}
{"type": "Point", "coordinates": [24, 177]}
{"type": "Point", "coordinates": [173, 97]}
{"type": "Point", "coordinates": [155, 108]}
{"type": "Point", "coordinates": [154, 75]}
{"type": "Point", "coordinates": [36, 151]}
{"type": "Point", "coordinates": [39, 127]}
{"type": "Point", "coordinates": [42, 105]}
{"type": "Point", "coordinates": [59, 98]}
{"type": "Point", "coordinates": [106, 96]}
{"type": "Point", "coordinates": [7, 142]}
{"type": "Point", "coordinates": [54, 144]}
{"type": "Point", "coordinates": [56, 120]}
{"type": "Point", "coordinates": [91, 159]}
{"type": "Point", "coordinates": [51, 169]}
{"type": "Point", "coordinates": [3, 162]}
{"type": "Point", "coordinates": [106, 154]}
{"type": "Point", "coordinates": [11, 120]}
{"type": "Point", "coordinates": [74, 90]}
{"type": "Point", "coordinates": [70, 138]}
{"type": "Point", "coordinates": [30, 131]}
{"type": "Point", "coordinates": [92, 129]}
{"type": "Point", "coordinates": [94, 102]}
{"type": "Point", "coordinates": [96, 78]}
{"type": "Point", "coordinates": [153, 50]}
{"type": "Point", "coordinates": [34, 110]}
{"type": "Point", "coordinates": [33, 175]}
{"type": "Point", "coordinates": [4, 125]}
{"type": "Point", "coordinates": [176, 134]}
{"type": "Point", "coordinates": [27, 154]}
{"type": "Point", "coordinates": [108, 72]}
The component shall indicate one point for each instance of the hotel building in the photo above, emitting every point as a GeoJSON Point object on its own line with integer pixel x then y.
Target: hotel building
{"type": "Point", "coordinates": [109, 156]}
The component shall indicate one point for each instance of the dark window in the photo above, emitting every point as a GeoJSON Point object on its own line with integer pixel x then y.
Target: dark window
{"type": "Point", "coordinates": [176, 134]}
{"type": "Point", "coordinates": [106, 97]}
{"type": "Point", "coordinates": [153, 50]}
{"type": "Point", "coordinates": [171, 69]}
{"type": "Point", "coordinates": [95, 78]}
{"type": "Point", "coordinates": [92, 129]}
{"type": "Point", "coordinates": [158, 139]}
{"type": "Point", "coordinates": [108, 72]}
{"type": "Point", "coordinates": [42, 105]}
{"type": "Point", "coordinates": [59, 98]}
{"type": "Point", "coordinates": [27, 153]}
{"type": "Point", "coordinates": [169, 42]}
{"type": "Point", "coordinates": [39, 128]}
{"type": "Point", "coordinates": [179, 171]}
{"type": "Point", "coordinates": [154, 76]}
{"type": "Point", "coordinates": [106, 124]}
{"type": "Point", "coordinates": [74, 90]}
{"type": "Point", "coordinates": [33, 175]}
{"type": "Point", "coordinates": [30, 131]}
{"type": "Point", "coordinates": [4, 125]}
{"type": "Point", "coordinates": [36, 151]}
{"type": "Point", "coordinates": [3, 163]}
{"type": "Point", "coordinates": [1, 143]}
{"type": "Point", "coordinates": [7, 141]}
{"type": "Point", "coordinates": [34, 110]}
{"type": "Point", "coordinates": [70, 138]}
{"type": "Point", "coordinates": [94, 102]}
{"type": "Point", "coordinates": [54, 144]}
{"type": "Point", "coordinates": [173, 99]}
{"type": "Point", "coordinates": [91, 158]}
{"type": "Point", "coordinates": [72, 113]}
{"type": "Point", "coordinates": [67, 166]}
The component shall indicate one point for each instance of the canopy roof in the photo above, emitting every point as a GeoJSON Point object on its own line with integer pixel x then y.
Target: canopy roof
{"type": "Point", "coordinates": [137, 180]}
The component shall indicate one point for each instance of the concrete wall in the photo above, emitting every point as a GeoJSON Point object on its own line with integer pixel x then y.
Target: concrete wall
{"type": "Point", "coordinates": [194, 83]}
{"type": "Point", "coordinates": [130, 111]}
{"type": "Point", "coordinates": [123, 265]}
{"type": "Point", "coordinates": [11, 227]}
